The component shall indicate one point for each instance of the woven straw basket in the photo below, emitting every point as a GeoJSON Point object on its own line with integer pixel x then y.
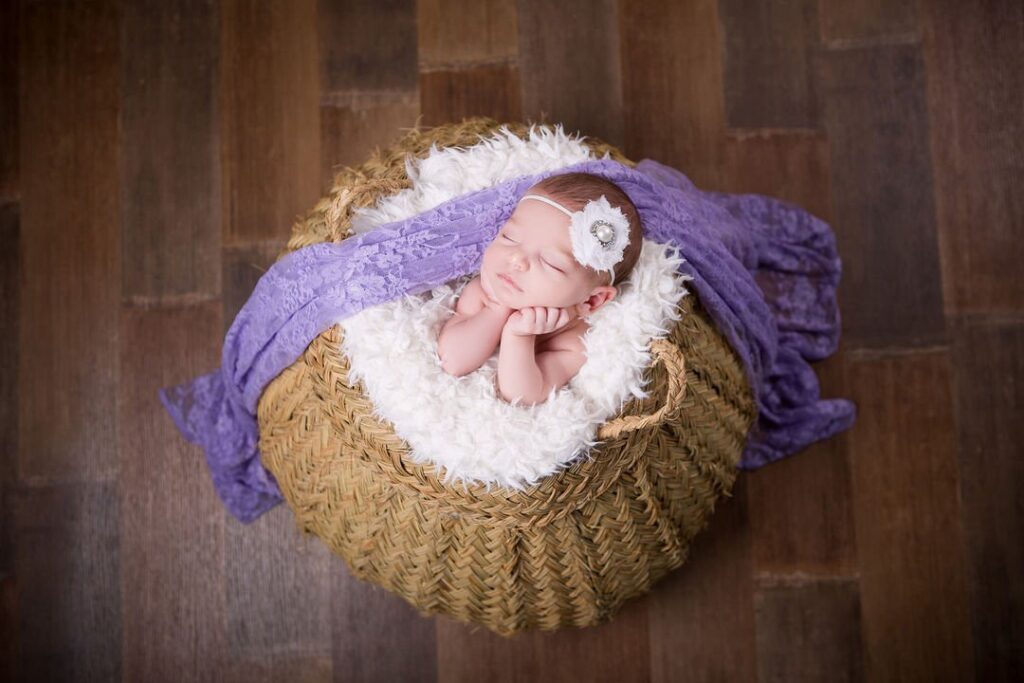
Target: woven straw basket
{"type": "Point", "coordinates": [567, 552]}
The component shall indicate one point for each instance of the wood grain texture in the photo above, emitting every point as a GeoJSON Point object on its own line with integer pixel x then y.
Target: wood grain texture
{"type": "Point", "coordinates": [974, 54]}
{"type": "Point", "coordinates": [9, 275]}
{"type": "Point", "coordinates": [460, 32]}
{"type": "Point", "coordinates": [572, 76]}
{"type": "Point", "coordinates": [174, 612]}
{"type": "Point", "coordinates": [801, 518]}
{"type": "Point", "coordinates": [68, 582]}
{"type": "Point", "coordinates": [867, 21]}
{"type": "Point", "coordinates": [270, 117]}
{"type": "Point", "coordinates": [789, 165]}
{"type": "Point", "coordinates": [672, 81]}
{"type": "Point", "coordinates": [367, 45]}
{"type": "Point", "coordinates": [800, 513]}
{"type": "Point", "coordinates": [365, 619]}
{"type": "Point", "coordinates": [68, 312]}
{"type": "Point", "coordinates": [883, 197]}
{"type": "Point", "coordinates": [9, 627]}
{"type": "Point", "coordinates": [490, 90]}
{"type": "Point", "coordinates": [907, 516]}
{"type": "Point", "coordinates": [768, 70]}
{"type": "Point", "coordinates": [808, 630]}
{"type": "Point", "coordinates": [278, 589]}
{"type": "Point", "coordinates": [353, 126]}
{"type": "Point", "coordinates": [10, 187]}
{"type": "Point", "coordinates": [613, 651]}
{"type": "Point", "coordinates": [989, 375]}
{"type": "Point", "coordinates": [281, 668]}
{"type": "Point", "coordinates": [170, 152]}
{"type": "Point", "coordinates": [702, 616]}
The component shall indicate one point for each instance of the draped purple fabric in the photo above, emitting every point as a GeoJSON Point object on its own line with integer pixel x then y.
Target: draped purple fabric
{"type": "Point", "coordinates": [765, 270]}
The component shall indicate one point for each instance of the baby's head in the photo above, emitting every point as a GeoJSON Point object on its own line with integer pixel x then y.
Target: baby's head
{"type": "Point", "coordinates": [534, 248]}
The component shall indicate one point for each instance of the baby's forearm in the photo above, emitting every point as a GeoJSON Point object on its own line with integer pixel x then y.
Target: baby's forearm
{"type": "Point", "coordinates": [463, 346]}
{"type": "Point", "coordinates": [518, 373]}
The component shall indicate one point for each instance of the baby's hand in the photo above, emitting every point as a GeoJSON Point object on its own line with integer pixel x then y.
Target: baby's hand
{"type": "Point", "coordinates": [535, 320]}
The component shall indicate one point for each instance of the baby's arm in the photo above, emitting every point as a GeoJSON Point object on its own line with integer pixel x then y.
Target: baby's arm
{"type": "Point", "coordinates": [531, 376]}
{"type": "Point", "coordinates": [470, 336]}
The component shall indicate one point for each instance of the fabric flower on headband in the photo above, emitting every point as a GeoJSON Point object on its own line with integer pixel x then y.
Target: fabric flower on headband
{"type": "Point", "coordinates": [599, 232]}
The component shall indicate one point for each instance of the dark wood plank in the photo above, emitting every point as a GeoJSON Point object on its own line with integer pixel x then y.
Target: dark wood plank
{"type": "Point", "coordinates": [270, 117]}
{"type": "Point", "coordinates": [613, 651]}
{"type": "Point", "coordinates": [367, 45]}
{"type": "Point", "coordinates": [801, 515]}
{"type": "Point", "coordinates": [365, 620]}
{"type": "Point", "coordinates": [891, 292]}
{"type": "Point", "coordinates": [9, 631]}
{"type": "Point", "coordinates": [989, 372]}
{"type": "Point", "coordinates": [800, 506]}
{"type": "Point", "coordinates": [369, 77]}
{"type": "Point", "coordinates": [8, 436]}
{"type": "Point", "coordinates": [68, 576]}
{"type": "Point", "coordinates": [463, 32]}
{"type": "Point", "coordinates": [173, 581]}
{"type": "Point", "coordinates": [975, 64]}
{"type": "Point", "coordinates": [352, 126]}
{"type": "Point", "coordinates": [9, 273]}
{"type": "Point", "coordinates": [493, 91]}
{"type": "Point", "coordinates": [769, 79]}
{"type": "Point", "coordinates": [702, 616]}
{"type": "Point", "coordinates": [242, 268]}
{"type": "Point", "coordinates": [9, 152]}
{"type": "Point", "coordinates": [808, 630]}
{"type": "Point", "coordinates": [68, 310]}
{"type": "Point", "coordinates": [573, 76]}
{"type": "Point", "coordinates": [280, 668]}
{"type": "Point", "coordinates": [672, 102]}
{"type": "Point", "coordinates": [867, 21]}
{"type": "Point", "coordinates": [788, 165]}
{"type": "Point", "coordinates": [907, 516]}
{"type": "Point", "coordinates": [170, 153]}
{"type": "Point", "coordinates": [278, 588]}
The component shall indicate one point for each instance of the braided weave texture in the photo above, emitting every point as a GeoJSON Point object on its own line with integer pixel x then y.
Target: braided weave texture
{"type": "Point", "coordinates": [569, 551]}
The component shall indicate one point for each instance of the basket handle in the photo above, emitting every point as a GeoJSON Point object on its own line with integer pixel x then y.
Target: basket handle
{"type": "Point", "coordinates": [672, 358]}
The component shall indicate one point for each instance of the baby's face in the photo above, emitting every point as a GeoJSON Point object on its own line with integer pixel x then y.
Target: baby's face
{"type": "Point", "coordinates": [534, 249]}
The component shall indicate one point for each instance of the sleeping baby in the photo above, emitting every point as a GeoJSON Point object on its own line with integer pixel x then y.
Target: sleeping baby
{"type": "Point", "coordinates": [570, 240]}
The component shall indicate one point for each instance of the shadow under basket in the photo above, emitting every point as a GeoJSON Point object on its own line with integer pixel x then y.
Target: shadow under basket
{"type": "Point", "coordinates": [569, 551]}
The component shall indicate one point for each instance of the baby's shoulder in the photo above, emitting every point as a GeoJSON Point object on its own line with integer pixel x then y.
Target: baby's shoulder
{"type": "Point", "coordinates": [571, 339]}
{"type": "Point", "coordinates": [471, 298]}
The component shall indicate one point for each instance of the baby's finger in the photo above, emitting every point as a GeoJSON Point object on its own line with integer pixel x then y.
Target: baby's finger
{"type": "Point", "coordinates": [530, 319]}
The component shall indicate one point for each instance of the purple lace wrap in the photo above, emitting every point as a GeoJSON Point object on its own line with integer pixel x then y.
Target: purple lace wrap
{"type": "Point", "coordinates": [765, 270]}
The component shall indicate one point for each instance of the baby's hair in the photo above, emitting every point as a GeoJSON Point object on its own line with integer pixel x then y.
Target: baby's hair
{"type": "Point", "coordinates": [574, 190]}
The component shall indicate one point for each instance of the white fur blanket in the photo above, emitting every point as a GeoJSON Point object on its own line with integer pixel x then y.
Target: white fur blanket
{"type": "Point", "coordinates": [460, 423]}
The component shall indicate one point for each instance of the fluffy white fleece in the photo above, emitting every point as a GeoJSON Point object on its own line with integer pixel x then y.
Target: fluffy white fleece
{"type": "Point", "coordinates": [461, 424]}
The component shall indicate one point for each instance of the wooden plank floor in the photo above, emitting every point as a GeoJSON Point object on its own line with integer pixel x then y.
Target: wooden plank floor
{"type": "Point", "coordinates": [154, 154]}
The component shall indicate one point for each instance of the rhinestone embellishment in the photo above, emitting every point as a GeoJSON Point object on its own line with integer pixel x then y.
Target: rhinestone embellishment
{"type": "Point", "coordinates": [604, 232]}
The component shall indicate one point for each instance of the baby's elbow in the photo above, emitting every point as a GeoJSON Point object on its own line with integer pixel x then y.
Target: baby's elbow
{"type": "Point", "coordinates": [452, 368]}
{"type": "Point", "coordinates": [524, 401]}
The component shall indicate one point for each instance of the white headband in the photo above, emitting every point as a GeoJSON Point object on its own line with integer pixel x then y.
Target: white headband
{"type": "Point", "coordinates": [599, 232]}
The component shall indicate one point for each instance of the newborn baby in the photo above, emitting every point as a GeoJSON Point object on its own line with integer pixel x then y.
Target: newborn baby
{"type": "Point", "coordinates": [570, 240]}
